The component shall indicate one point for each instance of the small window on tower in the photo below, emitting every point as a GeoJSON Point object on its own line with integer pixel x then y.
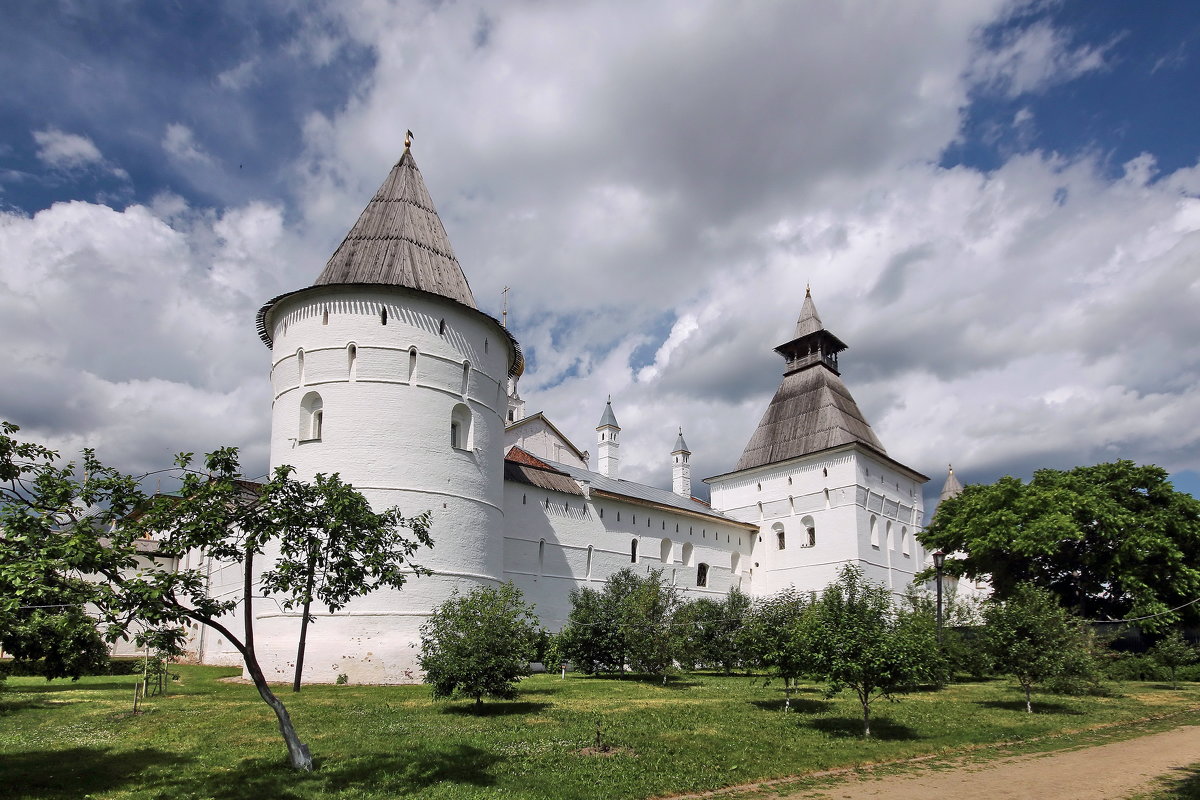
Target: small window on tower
{"type": "Point", "coordinates": [383, 316]}
{"type": "Point", "coordinates": [702, 574]}
{"type": "Point", "coordinates": [442, 327]}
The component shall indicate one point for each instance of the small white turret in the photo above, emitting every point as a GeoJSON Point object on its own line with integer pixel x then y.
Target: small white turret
{"type": "Point", "coordinates": [608, 442]}
{"type": "Point", "coordinates": [681, 470]}
{"type": "Point", "coordinates": [516, 406]}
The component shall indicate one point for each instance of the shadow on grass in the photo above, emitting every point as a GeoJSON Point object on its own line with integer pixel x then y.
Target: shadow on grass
{"type": "Point", "coordinates": [1039, 707]}
{"type": "Point", "coordinates": [647, 680]}
{"type": "Point", "coordinates": [404, 774]}
{"type": "Point", "coordinates": [882, 728]}
{"type": "Point", "coordinates": [51, 687]}
{"type": "Point", "coordinates": [79, 771]}
{"type": "Point", "coordinates": [495, 708]}
{"type": "Point", "coordinates": [1183, 783]}
{"type": "Point", "coordinates": [800, 705]}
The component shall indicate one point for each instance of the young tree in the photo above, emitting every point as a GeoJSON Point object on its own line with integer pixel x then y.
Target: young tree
{"type": "Point", "coordinates": [775, 638]}
{"type": "Point", "coordinates": [82, 530]}
{"type": "Point", "coordinates": [1031, 637]}
{"type": "Point", "coordinates": [480, 644]}
{"type": "Point", "coordinates": [333, 547]}
{"type": "Point", "coordinates": [1111, 541]}
{"type": "Point", "coordinates": [648, 607]}
{"type": "Point", "coordinates": [861, 641]}
{"type": "Point", "coordinates": [628, 622]}
{"type": "Point", "coordinates": [1172, 652]}
{"type": "Point", "coordinates": [709, 631]}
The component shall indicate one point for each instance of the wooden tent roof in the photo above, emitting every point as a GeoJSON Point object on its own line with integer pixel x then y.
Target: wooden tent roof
{"type": "Point", "coordinates": [399, 240]}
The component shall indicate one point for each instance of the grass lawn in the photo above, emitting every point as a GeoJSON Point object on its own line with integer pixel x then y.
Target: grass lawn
{"type": "Point", "coordinates": [209, 739]}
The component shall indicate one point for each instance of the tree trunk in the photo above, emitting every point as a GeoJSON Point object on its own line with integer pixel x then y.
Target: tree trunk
{"type": "Point", "coordinates": [298, 753]}
{"type": "Point", "coordinates": [308, 590]}
{"type": "Point", "coordinates": [866, 719]}
{"type": "Point", "coordinates": [787, 695]}
{"type": "Point", "coordinates": [1028, 702]}
{"type": "Point", "coordinates": [300, 647]}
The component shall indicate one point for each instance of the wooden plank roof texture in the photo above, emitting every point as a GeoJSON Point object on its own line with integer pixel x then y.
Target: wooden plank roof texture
{"type": "Point", "coordinates": [812, 410]}
{"type": "Point", "coordinates": [399, 240]}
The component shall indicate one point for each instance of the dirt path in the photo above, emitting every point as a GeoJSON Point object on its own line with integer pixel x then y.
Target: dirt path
{"type": "Point", "coordinates": [1105, 772]}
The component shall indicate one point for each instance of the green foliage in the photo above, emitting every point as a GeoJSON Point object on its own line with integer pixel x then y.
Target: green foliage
{"type": "Point", "coordinates": [774, 637]}
{"type": "Point", "coordinates": [54, 642]}
{"type": "Point", "coordinates": [962, 651]}
{"type": "Point", "coordinates": [630, 621]}
{"type": "Point", "coordinates": [709, 632]}
{"type": "Point", "coordinates": [1172, 652]}
{"type": "Point", "coordinates": [1111, 541]}
{"type": "Point", "coordinates": [1031, 637]}
{"type": "Point", "coordinates": [861, 641]}
{"type": "Point", "coordinates": [480, 644]}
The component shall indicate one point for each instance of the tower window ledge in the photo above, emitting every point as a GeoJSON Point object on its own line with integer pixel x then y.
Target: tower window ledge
{"type": "Point", "coordinates": [308, 441]}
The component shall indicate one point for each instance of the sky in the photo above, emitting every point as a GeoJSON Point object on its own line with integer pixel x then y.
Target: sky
{"type": "Point", "coordinates": [996, 205]}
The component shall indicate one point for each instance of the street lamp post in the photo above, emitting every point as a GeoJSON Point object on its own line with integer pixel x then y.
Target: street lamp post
{"type": "Point", "coordinates": [939, 558]}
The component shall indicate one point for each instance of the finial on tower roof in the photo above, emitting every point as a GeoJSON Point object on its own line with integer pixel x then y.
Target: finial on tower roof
{"type": "Point", "coordinates": [408, 137]}
{"type": "Point", "coordinates": [808, 290]}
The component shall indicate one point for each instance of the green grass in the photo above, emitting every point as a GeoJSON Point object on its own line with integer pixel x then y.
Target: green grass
{"type": "Point", "coordinates": [209, 739]}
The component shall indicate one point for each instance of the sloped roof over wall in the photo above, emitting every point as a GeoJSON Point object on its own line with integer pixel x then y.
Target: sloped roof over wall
{"type": "Point", "coordinates": [812, 410]}
{"type": "Point", "coordinates": [399, 240]}
{"type": "Point", "coordinates": [523, 467]}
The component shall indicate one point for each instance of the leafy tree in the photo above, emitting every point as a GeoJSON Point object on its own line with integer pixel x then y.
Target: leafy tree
{"type": "Point", "coordinates": [709, 631]}
{"type": "Point", "coordinates": [1172, 652]}
{"type": "Point", "coordinates": [480, 644]}
{"type": "Point", "coordinates": [861, 641]}
{"type": "Point", "coordinates": [961, 649]}
{"type": "Point", "coordinates": [593, 638]}
{"type": "Point", "coordinates": [1034, 639]}
{"type": "Point", "coordinates": [53, 640]}
{"type": "Point", "coordinates": [1111, 541]}
{"type": "Point", "coordinates": [648, 607]}
{"type": "Point", "coordinates": [629, 621]}
{"type": "Point", "coordinates": [775, 638]}
{"type": "Point", "coordinates": [79, 531]}
{"type": "Point", "coordinates": [333, 547]}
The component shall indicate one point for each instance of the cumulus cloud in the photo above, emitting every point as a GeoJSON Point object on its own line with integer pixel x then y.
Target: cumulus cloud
{"type": "Point", "coordinates": [1034, 58]}
{"type": "Point", "coordinates": [65, 150]}
{"type": "Point", "coordinates": [134, 335]}
{"type": "Point", "coordinates": [71, 152]}
{"type": "Point", "coordinates": [180, 143]}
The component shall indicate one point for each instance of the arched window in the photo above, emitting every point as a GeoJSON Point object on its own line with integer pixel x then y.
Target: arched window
{"type": "Point", "coordinates": [780, 536]}
{"type": "Point", "coordinates": [466, 378]}
{"type": "Point", "coordinates": [442, 327]}
{"type": "Point", "coordinates": [352, 360]}
{"type": "Point", "coordinates": [702, 574]}
{"type": "Point", "coordinates": [810, 530]}
{"type": "Point", "coordinates": [588, 575]}
{"type": "Point", "coordinates": [460, 427]}
{"type": "Point", "coordinates": [887, 536]}
{"type": "Point", "coordinates": [664, 554]}
{"type": "Point", "coordinates": [412, 363]}
{"type": "Point", "coordinates": [633, 552]}
{"type": "Point", "coordinates": [312, 417]}
{"type": "Point", "coordinates": [904, 541]}
{"type": "Point", "coordinates": [383, 316]}
{"type": "Point", "coordinates": [735, 563]}
{"type": "Point", "coordinates": [874, 531]}
{"type": "Point", "coordinates": [300, 364]}
{"type": "Point", "coordinates": [541, 556]}
{"type": "Point", "coordinates": [687, 554]}
{"type": "Point", "coordinates": [827, 505]}
{"type": "Point", "coordinates": [325, 317]}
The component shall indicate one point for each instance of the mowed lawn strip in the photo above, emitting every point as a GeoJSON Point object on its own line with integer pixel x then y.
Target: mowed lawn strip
{"type": "Point", "coordinates": [215, 739]}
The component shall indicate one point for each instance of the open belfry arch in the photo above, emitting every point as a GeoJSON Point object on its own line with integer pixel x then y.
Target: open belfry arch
{"type": "Point", "coordinates": [384, 370]}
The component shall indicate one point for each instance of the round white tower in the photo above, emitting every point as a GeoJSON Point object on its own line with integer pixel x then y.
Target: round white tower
{"type": "Point", "coordinates": [385, 371]}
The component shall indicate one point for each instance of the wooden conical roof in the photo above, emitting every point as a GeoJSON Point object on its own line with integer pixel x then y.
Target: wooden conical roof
{"type": "Point", "coordinates": [399, 240]}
